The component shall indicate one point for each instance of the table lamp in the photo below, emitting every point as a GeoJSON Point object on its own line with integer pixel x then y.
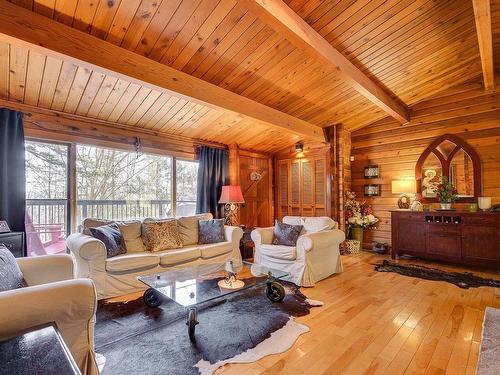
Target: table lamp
{"type": "Point", "coordinates": [403, 187]}
{"type": "Point", "coordinates": [231, 196]}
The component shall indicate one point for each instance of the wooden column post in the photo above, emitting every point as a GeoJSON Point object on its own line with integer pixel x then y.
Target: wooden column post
{"type": "Point", "coordinates": [344, 166]}
{"type": "Point", "coordinates": [340, 169]}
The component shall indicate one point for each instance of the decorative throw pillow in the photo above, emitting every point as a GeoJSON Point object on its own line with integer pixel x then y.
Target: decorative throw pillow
{"type": "Point", "coordinates": [112, 238]}
{"type": "Point", "coordinates": [211, 231]}
{"type": "Point", "coordinates": [188, 228]}
{"type": "Point", "coordinates": [11, 276]}
{"type": "Point", "coordinates": [286, 234]}
{"type": "Point", "coordinates": [132, 236]}
{"type": "Point", "coordinates": [93, 223]}
{"type": "Point", "coordinates": [161, 235]}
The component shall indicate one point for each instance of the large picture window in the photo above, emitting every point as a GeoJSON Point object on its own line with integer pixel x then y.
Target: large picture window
{"type": "Point", "coordinates": [108, 184]}
{"type": "Point", "coordinates": [120, 185]}
{"type": "Point", "coordinates": [186, 172]}
{"type": "Point", "coordinates": [47, 215]}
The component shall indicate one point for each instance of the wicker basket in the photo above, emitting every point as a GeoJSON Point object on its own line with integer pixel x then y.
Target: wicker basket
{"type": "Point", "coordinates": [353, 247]}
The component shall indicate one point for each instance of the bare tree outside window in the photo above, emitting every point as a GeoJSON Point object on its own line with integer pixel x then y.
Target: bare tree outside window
{"type": "Point", "coordinates": [46, 197]}
{"type": "Point", "coordinates": [121, 185]}
{"type": "Point", "coordinates": [186, 184]}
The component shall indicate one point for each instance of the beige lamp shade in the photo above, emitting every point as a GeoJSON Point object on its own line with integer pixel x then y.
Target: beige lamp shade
{"type": "Point", "coordinates": [231, 194]}
{"type": "Point", "coordinates": [403, 186]}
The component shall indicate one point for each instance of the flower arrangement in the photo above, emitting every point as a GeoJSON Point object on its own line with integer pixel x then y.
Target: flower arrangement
{"type": "Point", "coordinates": [358, 215]}
{"type": "Point", "coordinates": [446, 192]}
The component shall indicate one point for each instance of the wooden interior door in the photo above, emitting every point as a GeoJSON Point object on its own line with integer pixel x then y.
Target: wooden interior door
{"type": "Point", "coordinates": [295, 203]}
{"type": "Point", "coordinates": [283, 188]}
{"type": "Point", "coordinates": [320, 205]}
{"type": "Point", "coordinates": [301, 186]}
{"type": "Point", "coordinates": [307, 187]}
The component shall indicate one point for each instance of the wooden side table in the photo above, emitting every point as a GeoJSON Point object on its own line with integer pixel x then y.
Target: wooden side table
{"type": "Point", "coordinates": [39, 350]}
{"type": "Point", "coordinates": [247, 246]}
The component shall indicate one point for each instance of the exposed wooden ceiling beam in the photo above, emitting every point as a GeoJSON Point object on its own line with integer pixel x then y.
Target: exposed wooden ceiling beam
{"type": "Point", "coordinates": [21, 26]}
{"type": "Point", "coordinates": [291, 26]}
{"type": "Point", "coordinates": [482, 14]}
{"type": "Point", "coordinates": [42, 122]}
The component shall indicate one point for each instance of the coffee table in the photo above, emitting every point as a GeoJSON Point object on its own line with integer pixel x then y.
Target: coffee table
{"type": "Point", "coordinates": [193, 286]}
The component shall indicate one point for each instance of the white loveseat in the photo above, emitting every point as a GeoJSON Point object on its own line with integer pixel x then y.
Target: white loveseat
{"type": "Point", "coordinates": [315, 257]}
{"type": "Point", "coordinates": [118, 275]}
{"type": "Point", "coordinates": [53, 295]}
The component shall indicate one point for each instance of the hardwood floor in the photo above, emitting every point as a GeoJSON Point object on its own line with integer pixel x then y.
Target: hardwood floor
{"type": "Point", "coordinates": [384, 323]}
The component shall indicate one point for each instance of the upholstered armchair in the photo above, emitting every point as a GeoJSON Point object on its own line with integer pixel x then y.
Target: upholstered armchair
{"type": "Point", "coordinates": [315, 257]}
{"type": "Point", "coordinates": [53, 295]}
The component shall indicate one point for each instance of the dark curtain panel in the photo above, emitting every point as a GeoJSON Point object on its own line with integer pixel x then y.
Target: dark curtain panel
{"type": "Point", "coordinates": [12, 169]}
{"type": "Point", "coordinates": [213, 173]}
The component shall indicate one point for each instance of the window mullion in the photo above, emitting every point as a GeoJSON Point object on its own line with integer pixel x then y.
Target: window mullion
{"type": "Point", "coordinates": [72, 187]}
{"type": "Point", "coordinates": [174, 186]}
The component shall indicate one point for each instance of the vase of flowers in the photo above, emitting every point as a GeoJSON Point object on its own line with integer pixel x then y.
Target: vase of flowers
{"type": "Point", "coordinates": [446, 193]}
{"type": "Point", "coordinates": [358, 216]}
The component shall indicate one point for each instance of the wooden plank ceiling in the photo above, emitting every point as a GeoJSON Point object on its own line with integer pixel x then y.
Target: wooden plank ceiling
{"type": "Point", "coordinates": [495, 29]}
{"type": "Point", "coordinates": [413, 49]}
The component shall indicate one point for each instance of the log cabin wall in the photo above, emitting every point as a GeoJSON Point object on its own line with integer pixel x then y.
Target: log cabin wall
{"type": "Point", "coordinates": [466, 111]}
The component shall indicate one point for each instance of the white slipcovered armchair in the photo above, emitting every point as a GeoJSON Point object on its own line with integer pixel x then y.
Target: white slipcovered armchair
{"type": "Point", "coordinates": [315, 257]}
{"type": "Point", "coordinates": [53, 295]}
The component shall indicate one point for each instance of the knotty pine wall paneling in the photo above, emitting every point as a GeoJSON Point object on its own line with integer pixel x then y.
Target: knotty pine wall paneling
{"type": "Point", "coordinates": [466, 111]}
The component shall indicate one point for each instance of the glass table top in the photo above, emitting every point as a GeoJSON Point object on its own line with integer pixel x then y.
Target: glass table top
{"type": "Point", "coordinates": [198, 284]}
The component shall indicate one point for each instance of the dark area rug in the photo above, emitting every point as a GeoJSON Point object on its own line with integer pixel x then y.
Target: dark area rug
{"type": "Point", "coordinates": [136, 339]}
{"type": "Point", "coordinates": [463, 280]}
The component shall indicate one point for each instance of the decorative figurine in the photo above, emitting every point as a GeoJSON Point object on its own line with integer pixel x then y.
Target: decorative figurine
{"type": "Point", "coordinates": [417, 205]}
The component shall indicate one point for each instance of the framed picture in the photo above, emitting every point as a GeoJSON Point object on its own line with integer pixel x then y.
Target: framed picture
{"type": "Point", "coordinates": [372, 171]}
{"type": "Point", "coordinates": [372, 190]}
{"type": "Point", "coordinates": [431, 178]}
{"type": "Point", "coordinates": [4, 227]}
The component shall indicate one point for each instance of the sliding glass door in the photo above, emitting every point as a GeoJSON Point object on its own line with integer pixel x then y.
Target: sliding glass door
{"type": "Point", "coordinates": [108, 184]}
{"type": "Point", "coordinates": [47, 193]}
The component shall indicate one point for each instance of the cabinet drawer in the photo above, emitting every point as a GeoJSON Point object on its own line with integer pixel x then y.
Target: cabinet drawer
{"type": "Point", "coordinates": [448, 229]}
{"type": "Point", "coordinates": [449, 246]}
{"type": "Point", "coordinates": [412, 217]}
{"type": "Point", "coordinates": [481, 219]}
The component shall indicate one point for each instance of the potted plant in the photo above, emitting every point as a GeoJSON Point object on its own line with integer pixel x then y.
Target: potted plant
{"type": "Point", "coordinates": [446, 193]}
{"type": "Point", "coordinates": [359, 216]}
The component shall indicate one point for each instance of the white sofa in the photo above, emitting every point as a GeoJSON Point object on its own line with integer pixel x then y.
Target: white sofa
{"type": "Point", "coordinates": [118, 275]}
{"type": "Point", "coordinates": [315, 257]}
{"type": "Point", "coordinates": [53, 295]}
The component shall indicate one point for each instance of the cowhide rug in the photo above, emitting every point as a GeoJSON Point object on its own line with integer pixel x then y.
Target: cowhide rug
{"type": "Point", "coordinates": [464, 280]}
{"type": "Point", "coordinates": [132, 338]}
{"type": "Point", "coordinates": [489, 354]}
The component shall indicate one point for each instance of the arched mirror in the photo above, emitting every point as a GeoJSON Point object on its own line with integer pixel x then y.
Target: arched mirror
{"type": "Point", "coordinates": [462, 173]}
{"type": "Point", "coordinates": [449, 156]}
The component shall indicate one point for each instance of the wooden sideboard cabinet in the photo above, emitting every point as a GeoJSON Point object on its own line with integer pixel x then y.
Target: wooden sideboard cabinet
{"type": "Point", "coordinates": [459, 237]}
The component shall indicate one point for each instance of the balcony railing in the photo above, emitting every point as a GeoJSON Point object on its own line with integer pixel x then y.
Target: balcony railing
{"type": "Point", "coordinates": [47, 221]}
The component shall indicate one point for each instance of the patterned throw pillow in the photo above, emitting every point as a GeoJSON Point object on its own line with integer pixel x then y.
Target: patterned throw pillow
{"type": "Point", "coordinates": [11, 276]}
{"type": "Point", "coordinates": [161, 235]}
{"type": "Point", "coordinates": [286, 234]}
{"type": "Point", "coordinates": [112, 238]}
{"type": "Point", "coordinates": [211, 231]}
